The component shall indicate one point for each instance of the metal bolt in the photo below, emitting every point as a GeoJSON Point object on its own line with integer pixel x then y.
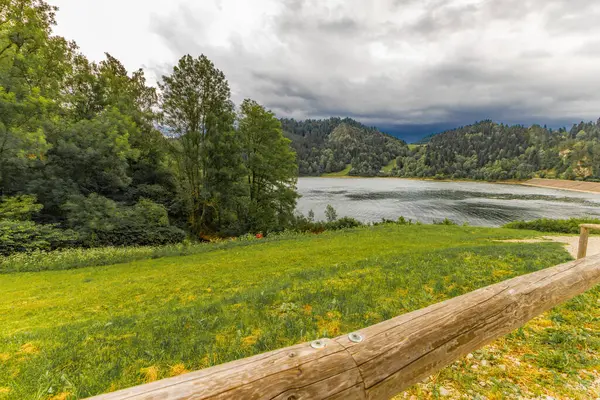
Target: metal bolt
{"type": "Point", "coordinates": [318, 344]}
{"type": "Point", "coordinates": [355, 337]}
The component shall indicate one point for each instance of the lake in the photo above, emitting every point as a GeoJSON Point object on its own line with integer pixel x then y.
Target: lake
{"type": "Point", "coordinates": [479, 204]}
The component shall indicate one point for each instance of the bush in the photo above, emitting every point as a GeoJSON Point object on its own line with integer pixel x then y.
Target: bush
{"type": "Point", "coordinates": [343, 223]}
{"type": "Point", "coordinates": [26, 236]}
{"type": "Point", "coordinates": [304, 224]}
{"type": "Point", "coordinates": [570, 225]}
{"type": "Point", "coordinates": [330, 213]}
{"type": "Point", "coordinates": [400, 221]}
{"type": "Point", "coordinates": [445, 221]}
{"type": "Point", "coordinates": [102, 222]}
{"type": "Point", "coordinates": [19, 234]}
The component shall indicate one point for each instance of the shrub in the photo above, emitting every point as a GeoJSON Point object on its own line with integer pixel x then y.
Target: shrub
{"type": "Point", "coordinates": [570, 225]}
{"type": "Point", "coordinates": [102, 222]}
{"type": "Point", "coordinates": [343, 223]}
{"type": "Point", "coordinates": [25, 236]}
{"type": "Point", "coordinates": [400, 221]}
{"type": "Point", "coordinates": [19, 234]}
{"type": "Point", "coordinates": [330, 213]}
{"type": "Point", "coordinates": [304, 224]}
{"type": "Point", "coordinates": [445, 221]}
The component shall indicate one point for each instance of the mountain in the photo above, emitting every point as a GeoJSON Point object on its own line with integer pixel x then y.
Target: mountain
{"type": "Point", "coordinates": [490, 151]}
{"type": "Point", "coordinates": [331, 145]}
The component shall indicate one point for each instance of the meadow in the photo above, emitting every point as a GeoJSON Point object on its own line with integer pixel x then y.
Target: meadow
{"type": "Point", "coordinates": [67, 334]}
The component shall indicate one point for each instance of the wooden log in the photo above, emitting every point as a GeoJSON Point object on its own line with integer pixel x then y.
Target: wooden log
{"type": "Point", "coordinates": [590, 226]}
{"type": "Point", "coordinates": [583, 241]}
{"type": "Point", "coordinates": [392, 356]}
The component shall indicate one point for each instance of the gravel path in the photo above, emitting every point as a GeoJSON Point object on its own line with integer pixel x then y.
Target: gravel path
{"type": "Point", "coordinates": [571, 243]}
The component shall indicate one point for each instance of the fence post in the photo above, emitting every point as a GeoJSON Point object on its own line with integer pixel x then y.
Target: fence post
{"type": "Point", "coordinates": [583, 242]}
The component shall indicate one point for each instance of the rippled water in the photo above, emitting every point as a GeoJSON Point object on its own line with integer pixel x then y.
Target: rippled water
{"type": "Point", "coordinates": [484, 204]}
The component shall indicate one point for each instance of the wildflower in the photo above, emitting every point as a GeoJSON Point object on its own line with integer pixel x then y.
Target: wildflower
{"type": "Point", "coordinates": [259, 235]}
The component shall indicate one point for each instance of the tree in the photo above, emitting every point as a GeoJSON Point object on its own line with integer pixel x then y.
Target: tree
{"type": "Point", "coordinates": [270, 167]}
{"type": "Point", "coordinates": [196, 105]}
{"type": "Point", "coordinates": [330, 213]}
{"type": "Point", "coordinates": [19, 234]}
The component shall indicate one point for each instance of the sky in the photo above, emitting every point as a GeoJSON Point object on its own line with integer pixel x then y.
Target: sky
{"type": "Point", "coordinates": [412, 67]}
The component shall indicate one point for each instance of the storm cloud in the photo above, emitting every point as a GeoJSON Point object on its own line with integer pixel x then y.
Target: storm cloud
{"type": "Point", "coordinates": [396, 62]}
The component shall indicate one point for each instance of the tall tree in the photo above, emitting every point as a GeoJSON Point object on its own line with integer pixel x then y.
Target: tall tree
{"type": "Point", "coordinates": [196, 105]}
{"type": "Point", "coordinates": [271, 168]}
{"type": "Point", "coordinates": [31, 69]}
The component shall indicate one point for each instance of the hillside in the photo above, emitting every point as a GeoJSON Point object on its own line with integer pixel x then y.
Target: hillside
{"type": "Point", "coordinates": [490, 151]}
{"type": "Point", "coordinates": [426, 139]}
{"type": "Point", "coordinates": [329, 146]}
{"type": "Point", "coordinates": [81, 332]}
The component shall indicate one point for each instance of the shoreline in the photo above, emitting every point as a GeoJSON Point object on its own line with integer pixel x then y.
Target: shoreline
{"type": "Point", "coordinates": [556, 184]}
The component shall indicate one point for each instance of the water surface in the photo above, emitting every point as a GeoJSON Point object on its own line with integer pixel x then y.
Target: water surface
{"type": "Point", "coordinates": [482, 204]}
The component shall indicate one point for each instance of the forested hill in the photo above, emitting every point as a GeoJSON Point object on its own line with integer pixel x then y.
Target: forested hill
{"type": "Point", "coordinates": [330, 145]}
{"type": "Point", "coordinates": [490, 151]}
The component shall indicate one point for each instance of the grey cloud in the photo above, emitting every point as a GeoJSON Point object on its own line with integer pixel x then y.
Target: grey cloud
{"type": "Point", "coordinates": [589, 49]}
{"type": "Point", "coordinates": [536, 54]}
{"type": "Point", "coordinates": [408, 62]}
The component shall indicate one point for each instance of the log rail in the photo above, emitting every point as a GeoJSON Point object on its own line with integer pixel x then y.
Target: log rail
{"type": "Point", "coordinates": [584, 234]}
{"type": "Point", "coordinates": [382, 360]}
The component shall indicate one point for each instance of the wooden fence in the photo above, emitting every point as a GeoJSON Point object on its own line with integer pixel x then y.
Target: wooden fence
{"type": "Point", "coordinates": [583, 238]}
{"type": "Point", "coordinates": [382, 360]}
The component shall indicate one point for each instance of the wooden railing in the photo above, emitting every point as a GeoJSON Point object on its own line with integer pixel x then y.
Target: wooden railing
{"type": "Point", "coordinates": [384, 359]}
{"type": "Point", "coordinates": [583, 238]}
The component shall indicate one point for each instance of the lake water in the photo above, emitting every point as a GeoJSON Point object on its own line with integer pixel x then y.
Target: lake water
{"type": "Point", "coordinates": [480, 204]}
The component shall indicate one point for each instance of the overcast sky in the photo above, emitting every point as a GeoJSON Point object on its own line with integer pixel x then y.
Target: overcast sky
{"type": "Point", "coordinates": [384, 62]}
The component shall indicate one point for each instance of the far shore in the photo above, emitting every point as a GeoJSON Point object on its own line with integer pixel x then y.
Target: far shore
{"type": "Point", "coordinates": [558, 184]}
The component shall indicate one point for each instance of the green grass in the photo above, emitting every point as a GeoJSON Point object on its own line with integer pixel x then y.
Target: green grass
{"type": "Point", "coordinates": [414, 146]}
{"type": "Point", "coordinates": [80, 257]}
{"type": "Point", "coordinates": [570, 225]}
{"type": "Point", "coordinates": [388, 168]}
{"type": "Point", "coordinates": [81, 332]}
{"type": "Point", "coordinates": [343, 172]}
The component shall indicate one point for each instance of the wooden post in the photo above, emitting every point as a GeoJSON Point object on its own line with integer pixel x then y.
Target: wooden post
{"type": "Point", "coordinates": [583, 242]}
{"type": "Point", "coordinates": [584, 237]}
{"type": "Point", "coordinates": [382, 360]}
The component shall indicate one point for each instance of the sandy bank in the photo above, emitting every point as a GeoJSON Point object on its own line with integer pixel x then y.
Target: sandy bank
{"type": "Point", "coordinates": [577, 186]}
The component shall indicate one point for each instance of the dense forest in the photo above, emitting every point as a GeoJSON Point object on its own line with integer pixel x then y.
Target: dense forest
{"type": "Point", "coordinates": [490, 151]}
{"type": "Point", "coordinates": [83, 164]}
{"type": "Point", "coordinates": [484, 151]}
{"type": "Point", "coordinates": [331, 145]}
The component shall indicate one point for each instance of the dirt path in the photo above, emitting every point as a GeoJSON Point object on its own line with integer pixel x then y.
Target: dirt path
{"type": "Point", "coordinates": [577, 186]}
{"type": "Point", "coordinates": [571, 243]}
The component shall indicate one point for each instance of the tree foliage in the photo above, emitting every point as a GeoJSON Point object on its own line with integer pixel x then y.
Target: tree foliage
{"type": "Point", "coordinates": [490, 151]}
{"type": "Point", "coordinates": [81, 152]}
{"type": "Point", "coordinates": [270, 166]}
{"type": "Point", "coordinates": [330, 145]}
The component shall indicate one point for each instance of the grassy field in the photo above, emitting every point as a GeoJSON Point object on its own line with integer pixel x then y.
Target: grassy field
{"type": "Point", "coordinates": [343, 172]}
{"type": "Point", "coordinates": [75, 333]}
{"type": "Point", "coordinates": [388, 168]}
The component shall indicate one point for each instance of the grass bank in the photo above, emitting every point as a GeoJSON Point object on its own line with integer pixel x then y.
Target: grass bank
{"type": "Point", "coordinates": [344, 172]}
{"type": "Point", "coordinates": [76, 333]}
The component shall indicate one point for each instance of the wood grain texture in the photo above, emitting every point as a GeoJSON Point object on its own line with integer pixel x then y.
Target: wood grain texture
{"type": "Point", "coordinates": [394, 354]}
{"type": "Point", "coordinates": [590, 226]}
{"type": "Point", "coordinates": [584, 236]}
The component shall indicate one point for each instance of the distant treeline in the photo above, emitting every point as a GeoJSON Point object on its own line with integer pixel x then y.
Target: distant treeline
{"type": "Point", "coordinates": [490, 151]}
{"type": "Point", "coordinates": [484, 151]}
{"type": "Point", "coordinates": [331, 145]}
